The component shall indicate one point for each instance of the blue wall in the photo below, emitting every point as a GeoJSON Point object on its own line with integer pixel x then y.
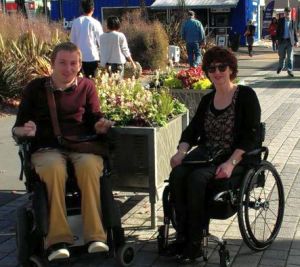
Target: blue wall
{"type": "Point", "coordinates": [71, 8]}
{"type": "Point", "coordinates": [240, 15]}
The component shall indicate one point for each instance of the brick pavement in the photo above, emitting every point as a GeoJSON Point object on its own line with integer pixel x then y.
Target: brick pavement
{"type": "Point", "coordinates": [280, 98]}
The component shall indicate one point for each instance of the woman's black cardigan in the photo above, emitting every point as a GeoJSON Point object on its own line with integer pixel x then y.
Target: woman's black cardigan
{"type": "Point", "coordinates": [247, 121]}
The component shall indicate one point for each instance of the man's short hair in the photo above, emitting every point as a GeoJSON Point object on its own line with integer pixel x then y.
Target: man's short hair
{"type": "Point", "coordinates": [191, 13]}
{"type": "Point", "coordinates": [66, 46]}
{"type": "Point", "coordinates": [287, 9]}
{"type": "Point", "coordinates": [87, 6]}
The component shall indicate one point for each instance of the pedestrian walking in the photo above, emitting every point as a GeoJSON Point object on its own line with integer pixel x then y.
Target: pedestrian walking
{"type": "Point", "coordinates": [192, 33]}
{"type": "Point", "coordinates": [287, 39]}
{"type": "Point", "coordinates": [114, 48]}
{"type": "Point", "coordinates": [249, 34]}
{"type": "Point", "coordinates": [273, 33]}
{"type": "Point", "coordinates": [85, 33]}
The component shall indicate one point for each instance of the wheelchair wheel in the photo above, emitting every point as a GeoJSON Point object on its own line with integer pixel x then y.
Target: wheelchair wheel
{"type": "Point", "coordinates": [22, 235]}
{"type": "Point", "coordinates": [261, 206]}
{"type": "Point", "coordinates": [125, 255]}
{"type": "Point", "coordinates": [224, 257]}
{"type": "Point", "coordinates": [169, 210]}
{"type": "Point", "coordinates": [36, 261]}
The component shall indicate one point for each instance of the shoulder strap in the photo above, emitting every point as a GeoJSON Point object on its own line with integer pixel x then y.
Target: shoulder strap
{"type": "Point", "coordinates": [53, 112]}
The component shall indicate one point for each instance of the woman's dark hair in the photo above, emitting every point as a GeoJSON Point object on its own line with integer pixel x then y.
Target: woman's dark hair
{"type": "Point", "coordinates": [218, 54]}
{"type": "Point", "coordinates": [113, 23]}
{"type": "Point", "coordinates": [274, 20]}
{"type": "Point", "coordinates": [87, 6]}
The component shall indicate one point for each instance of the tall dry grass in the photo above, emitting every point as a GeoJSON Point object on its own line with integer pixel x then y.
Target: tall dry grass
{"type": "Point", "coordinates": [25, 46]}
{"type": "Point", "coordinates": [14, 25]}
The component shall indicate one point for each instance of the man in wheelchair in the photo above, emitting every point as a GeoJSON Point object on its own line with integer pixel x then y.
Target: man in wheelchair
{"type": "Point", "coordinates": [225, 126]}
{"type": "Point", "coordinates": [78, 114]}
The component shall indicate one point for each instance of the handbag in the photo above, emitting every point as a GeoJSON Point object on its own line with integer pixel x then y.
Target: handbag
{"type": "Point", "coordinates": [81, 144]}
{"type": "Point", "coordinates": [202, 156]}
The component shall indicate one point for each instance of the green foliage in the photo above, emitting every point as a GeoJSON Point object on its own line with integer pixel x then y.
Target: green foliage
{"type": "Point", "coordinates": [147, 41]}
{"type": "Point", "coordinates": [202, 84]}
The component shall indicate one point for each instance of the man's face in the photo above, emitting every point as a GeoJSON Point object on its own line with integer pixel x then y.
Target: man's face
{"type": "Point", "coordinates": [287, 14]}
{"type": "Point", "coordinates": [66, 66]}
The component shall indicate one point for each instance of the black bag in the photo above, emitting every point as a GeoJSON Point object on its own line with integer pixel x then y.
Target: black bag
{"type": "Point", "coordinates": [201, 155]}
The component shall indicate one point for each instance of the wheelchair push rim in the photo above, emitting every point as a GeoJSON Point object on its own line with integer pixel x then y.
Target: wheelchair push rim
{"type": "Point", "coordinates": [261, 206]}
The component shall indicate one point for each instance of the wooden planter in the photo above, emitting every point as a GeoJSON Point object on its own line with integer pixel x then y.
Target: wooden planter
{"type": "Point", "coordinates": [191, 98]}
{"type": "Point", "coordinates": [141, 158]}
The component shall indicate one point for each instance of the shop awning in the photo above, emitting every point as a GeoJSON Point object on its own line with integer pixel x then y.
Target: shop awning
{"type": "Point", "coordinates": [171, 4]}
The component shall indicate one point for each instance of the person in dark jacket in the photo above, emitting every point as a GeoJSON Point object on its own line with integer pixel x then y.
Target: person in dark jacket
{"type": "Point", "coordinates": [273, 33]}
{"type": "Point", "coordinates": [287, 39]}
{"type": "Point", "coordinates": [227, 121]}
{"type": "Point", "coordinates": [193, 34]}
{"type": "Point", "coordinates": [249, 34]}
{"type": "Point", "coordinates": [79, 114]}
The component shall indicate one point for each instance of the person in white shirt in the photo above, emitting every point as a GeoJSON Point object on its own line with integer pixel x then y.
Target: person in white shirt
{"type": "Point", "coordinates": [114, 48]}
{"type": "Point", "coordinates": [85, 33]}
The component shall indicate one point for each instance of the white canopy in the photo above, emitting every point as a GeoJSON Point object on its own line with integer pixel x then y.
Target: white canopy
{"type": "Point", "coordinates": [169, 4]}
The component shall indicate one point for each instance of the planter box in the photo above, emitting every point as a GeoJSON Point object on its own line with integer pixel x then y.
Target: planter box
{"type": "Point", "coordinates": [191, 98]}
{"type": "Point", "coordinates": [141, 158]}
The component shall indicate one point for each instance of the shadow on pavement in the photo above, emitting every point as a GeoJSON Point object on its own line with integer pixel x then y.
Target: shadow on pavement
{"type": "Point", "coordinates": [7, 196]}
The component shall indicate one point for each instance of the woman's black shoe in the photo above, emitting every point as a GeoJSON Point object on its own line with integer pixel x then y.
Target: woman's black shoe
{"type": "Point", "coordinates": [192, 251]}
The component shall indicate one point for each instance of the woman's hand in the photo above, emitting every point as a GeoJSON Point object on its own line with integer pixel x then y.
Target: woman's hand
{"type": "Point", "coordinates": [224, 170]}
{"type": "Point", "coordinates": [102, 126]}
{"type": "Point", "coordinates": [177, 159]}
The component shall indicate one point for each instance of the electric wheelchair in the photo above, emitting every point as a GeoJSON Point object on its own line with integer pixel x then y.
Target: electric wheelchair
{"type": "Point", "coordinates": [32, 218]}
{"type": "Point", "coordinates": [257, 196]}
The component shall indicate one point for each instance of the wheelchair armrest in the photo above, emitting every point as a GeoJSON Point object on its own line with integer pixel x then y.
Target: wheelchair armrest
{"type": "Point", "coordinates": [24, 143]}
{"type": "Point", "coordinates": [256, 152]}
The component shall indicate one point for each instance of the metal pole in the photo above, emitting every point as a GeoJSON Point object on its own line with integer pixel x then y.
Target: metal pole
{"type": "Point", "coordinates": [4, 6]}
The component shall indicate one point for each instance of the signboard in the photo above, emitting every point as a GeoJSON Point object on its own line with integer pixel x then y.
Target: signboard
{"type": "Point", "coordinates": [222, 40]}
{"type": "Point", "coordinates": [267, 18]}
{"type": "Point", "coordinates": [220, 10]}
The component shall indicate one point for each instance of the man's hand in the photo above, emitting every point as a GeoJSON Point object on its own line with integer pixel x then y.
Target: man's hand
{"type": "Point", "coordinates": [296, 44]}
{"type": "Point", "coordinates": [224, 170]}
{"type": "Point", "coordinates": [28, 129]}
{"type": "Point", "coordinates": [102, 126]}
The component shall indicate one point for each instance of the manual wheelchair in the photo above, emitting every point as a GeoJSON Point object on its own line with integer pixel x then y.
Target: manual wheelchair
{"type": "Point", "coordinates": [32, 218]}
{"type": "Point", "coordinates": [257, 196]}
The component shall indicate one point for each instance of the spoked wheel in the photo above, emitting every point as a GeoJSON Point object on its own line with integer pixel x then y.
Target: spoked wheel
{"type": "Point", "coordinates": [261, 206]}
{"type": "Point", "coordinates": [125, 255]}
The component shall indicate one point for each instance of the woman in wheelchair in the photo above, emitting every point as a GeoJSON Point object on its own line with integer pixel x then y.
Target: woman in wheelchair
{"type": "Point", "coordinates": [78, 115]}
{"type": "Point", "coordinates": [224, 127]}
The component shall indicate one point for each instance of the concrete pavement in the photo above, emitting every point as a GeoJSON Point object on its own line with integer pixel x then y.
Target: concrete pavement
{"type": "Point", "coordinates": [279, 96]}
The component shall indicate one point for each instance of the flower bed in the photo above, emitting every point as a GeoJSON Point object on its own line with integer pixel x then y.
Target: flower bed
{"type": "Point", "coordinates": [192, 78]}
{"type": "Point", "coordinates": [126, 102]}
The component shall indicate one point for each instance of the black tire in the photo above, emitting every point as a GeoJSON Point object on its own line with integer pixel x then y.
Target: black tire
{"type": "Point", "coordinates": [36, 261]}
{"type": "Point", "coordinates": [261, 206]}
{"type": "Point", "coordinates": [224, 257]}
{"type": "Point", "coordinates": [168, 207]}
{"type": "Point", "coordinates": [22, 236]}
{"type": "Point", "coordinates": [125, 255]}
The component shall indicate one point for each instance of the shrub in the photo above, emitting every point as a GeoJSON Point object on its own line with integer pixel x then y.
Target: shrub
{"type": "Point", "coordinates": [148, 41]}
{"type": "Point", "coordinates": [24, 49]}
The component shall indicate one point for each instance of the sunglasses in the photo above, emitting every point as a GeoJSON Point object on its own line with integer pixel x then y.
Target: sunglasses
{"type": "Point", "coordinates": [221, 68]}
